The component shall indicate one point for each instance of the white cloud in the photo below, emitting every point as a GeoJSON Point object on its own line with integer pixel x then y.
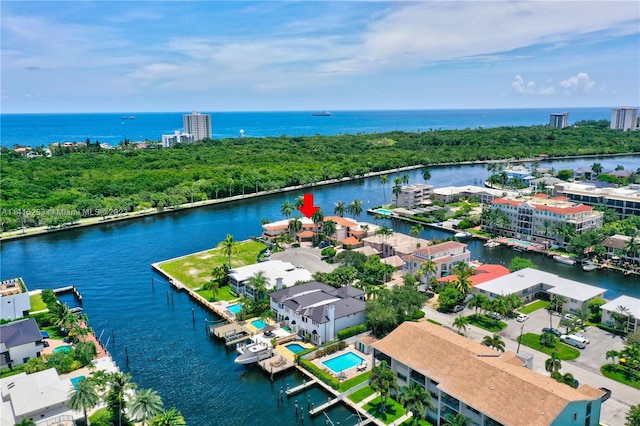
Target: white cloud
{"type": "Point", "coordinates": [519, 87]}
{"type": "Point", "coordinates": [579, 83]}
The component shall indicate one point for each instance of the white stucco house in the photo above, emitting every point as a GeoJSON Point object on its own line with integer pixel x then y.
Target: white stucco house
{"type": "Point", "coordinates": [624, 305]}
{"type": "Point", "coordinates": [19, 342]}
{"type": "Point", "coordinates": [14, 299]}
{"type": "Point", "coordinates": [277, 273]}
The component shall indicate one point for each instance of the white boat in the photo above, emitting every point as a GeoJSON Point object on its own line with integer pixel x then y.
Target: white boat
{"type": "Point", "coordinates": [256, 350]}
{"type": "Point", "coordinates": [563, 258]}
{"type": "Point", "coordinates": [491, 244]}
{"type": "Point", "coordinates": [589, 266]}
{"type": "Point", "coordinates": [462, 235]}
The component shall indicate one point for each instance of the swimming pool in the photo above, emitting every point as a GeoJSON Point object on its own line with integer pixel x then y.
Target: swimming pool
{"type": "Point", "coordinates": [76, 380]}
{"type": "Point", "coordinates": [235, 309]}
{"type": "Point", "coordinates": [343, 362]}
{"type": "Point", "coordinates": [259, 324]}
{"type": "Point", "coordinates": [384, 211]}
{"type": "Point", "coordinates": [295, 348]}
{"type": "Point", "coordinates": [66, 348]}
{"type": "Point", "coordinates": [520, 242]}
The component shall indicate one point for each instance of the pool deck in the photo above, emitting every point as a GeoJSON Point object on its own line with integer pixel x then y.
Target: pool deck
{"type": "Point", "coordinates": [356, 370]}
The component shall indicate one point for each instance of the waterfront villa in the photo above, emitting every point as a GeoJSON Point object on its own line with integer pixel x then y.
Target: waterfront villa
{"type": "Point", "coordinates": [624, 200]}
{"type": "Point", "coordinates": [278, 274]}
{"type": "Point", "coordinates": [318, 310]}
{"type": "Point", "coordinates": [348, 231]}
{"type": "Point", "coordinates": [395, 244]}
{"type": "Point", "coordinates": [536, 218]}
{"type": "Point", "coordinates": [619, 248]}
{"type": "Point", "coordinates": [19, 342]}
{"type": "Point", "coordinates": [14, 299]}
{"type": "Point", "coordinates": [444, 255]}
{"type": "Point", "coordinates": [630, 309]}
{"type": "Point", "coordinates": [415, 195]}
{"type": "Point", "coordinates": [448, 194]}
{"type": "Point", "coordinates": [530, 284]}
{"type": "Point", "coordinates": [490, 388]}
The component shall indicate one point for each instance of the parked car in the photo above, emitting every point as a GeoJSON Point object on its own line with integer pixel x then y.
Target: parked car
{"type": "Point", "coordinates": [582, 336]}
{"type": "Point", "coordinates": [606, 395]}
{"type": "Point", "coordinates": [496, 315]}
{"type": "Point", "coordinates": [522, 317]}
{"type": "Point", "coordinates": [573, 318]}
{"type": "Point", "coordinates": [323, 244]}
{"type": "Point", "coordinates": [574, 341]}
{"type": "Point", "coordinates": [457, 308]}
{"type": "Point", "coordinates": [553, 331]}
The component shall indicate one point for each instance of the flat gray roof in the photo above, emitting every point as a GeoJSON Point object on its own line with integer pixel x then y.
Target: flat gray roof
{"type": "Point", "coordinates": [631, 303]}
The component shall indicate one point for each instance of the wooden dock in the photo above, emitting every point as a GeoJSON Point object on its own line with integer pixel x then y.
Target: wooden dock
{"type": "Point", "coordinates": [69, 289]}
{"type": "Point", "coordinates": [300, 388]}
{"type": "Point", "coordinates": [231, 333]}
{"type": "Point", "coordinates": [276, 364]}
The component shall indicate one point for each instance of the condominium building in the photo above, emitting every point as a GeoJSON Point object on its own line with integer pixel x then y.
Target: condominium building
{"type": "Point", "coordinates": [177, 137]}
{"type": "Point", "coordinates": [276, 272]}
{"type": "Point", "coordinates": [537, 218]}
{"type": "Point", "coordinates": [198, 125]}
{"type": "Point", "coordinates": [412, 196]}
{"type": "Point", "coordinates": [448, 194]}
{"type": "Point", "coordinates": [444, 255]}
{"type": "Point", "coordinates": [559, 120]}
{"type": "Point", "coordinates": [490, 388]}
{"type": "Point", "coordinates": [624, 118]}
{"type": "Point", "coordinates": [625, 200]}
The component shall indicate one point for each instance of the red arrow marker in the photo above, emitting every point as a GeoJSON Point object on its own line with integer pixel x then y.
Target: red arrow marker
{"type": "Point", "coordinates": [307, 208]}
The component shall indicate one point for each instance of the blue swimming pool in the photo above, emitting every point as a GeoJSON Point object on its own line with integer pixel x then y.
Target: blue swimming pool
{"type": "Point", "coordinates": [235, 309]}
{"type": "Point", "coordinates": [343, 362]}
{"type": "Point", "coordinates": [259, 324]}
{"type": "Point", "coordinates": [295, 348]}
{"type": "Point", "coordinates": [76, 380]}
{"type": "Point", "coordinates": [384, 211]}
{"type": "Point", "coordinates": [66, 348]}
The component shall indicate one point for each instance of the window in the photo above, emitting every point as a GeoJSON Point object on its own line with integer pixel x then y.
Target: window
{"type": "Point", "coordinates": [402, 377]}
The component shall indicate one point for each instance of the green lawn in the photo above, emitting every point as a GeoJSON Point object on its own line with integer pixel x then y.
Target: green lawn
{"type": "Point", "coordinates": [195, 270]}
{"type": "Point", "coordinates": [10, 372]}
{"type": "Point", "coordinates": [348, 384]}
{"type": "Point", "coordinates": [412, 422]}
{"type": "Point", "coordinates": [37, 304]}
{"type": "Point", "coordinates": [486, 323]}
{"type": "Point", "coordinates": [565, 352]}
{"type": "Point", "coordinates": [224, 293]}
{"type": "Point", "coordinates": [621, 374]}
{"type": "Point", "coordinates": [533, 306]}
{"type": "Point", "coordinates": [361, 394]}
{"type": "Point", "coordinates": [393, 410]}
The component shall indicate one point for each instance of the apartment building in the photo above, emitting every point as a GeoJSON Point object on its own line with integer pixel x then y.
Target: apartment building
{"type": "Point", "coordinates": [176, 138]}
{"type": "Point", "coordinates": [488, 387]}
{"type": "Point", "coordinates": [198, 125]}
{"type": "Point", "coordinates": [559, 120]}
{"type": "Point", "coordinates": [624, 200]}
{"type": "Point", "coordinates": [414, 195]}
{"type": "Point", "coordinates": [624, 118]}
{"type": "Point", "coordinates": [444, 255]}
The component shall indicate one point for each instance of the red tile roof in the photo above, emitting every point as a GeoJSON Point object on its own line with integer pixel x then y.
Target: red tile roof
{"type": "Point", "coordinates": [481, 274]}
{"type": "Point", "coordinates": [351, 241]}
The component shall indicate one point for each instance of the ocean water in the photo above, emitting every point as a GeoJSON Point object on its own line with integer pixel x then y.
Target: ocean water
{"type": "Point", "coordinates": [112, 128]}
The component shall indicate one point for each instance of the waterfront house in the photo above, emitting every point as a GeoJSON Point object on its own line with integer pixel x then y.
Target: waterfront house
{"type": "Point", "coordinates": [444, 255]}
{"type": "Point", "coordinates": [277, 273]}
{"type": "Point", "coordinates": [490, 388]}
{"type": "Point", "coordinates": [619, 247]}
{"type": "Point", "coordinates": [19, 342]}
{"type": "Point", "coordinates": [630, 309]}
{"type": "Point", "coordinates": [318, 310]}
{"type": "Point", "coordinates": [412, 196]}
{"type": "Point", "coordinates": [449, 194]}
{"type": "Point", "coordinates": [395, 244]}
{"type": "Point", "coordinates": [14, 299]}
{"type": "Point", "coordinates": [482, 273]}
{"type": "Point", "coordinates": [530, 284]}
{"type": "Point", "coordinates": [624, 200]}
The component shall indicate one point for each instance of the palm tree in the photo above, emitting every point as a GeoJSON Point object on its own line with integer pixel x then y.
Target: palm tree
{"type": "Point", "coordinates": [494, 342]}
{"type": "Point", "coordinates": [365, 229]}
{"type": "Point", "coordinates": [383, 380]}
{"type": "Point", "coordinates": [463, 271]}
{"type": "Point", "coordinates": [295, 226]}
{"type": "Point", "coordinates": [340, 208]}
{"type": "Point", "coordinates": [384, 179]}
{"type": "Point", "coordinates": [119, 385]}
{"type": "Point", "coordinates": [26, 422]}
{"type": "Point", "coordinates": [330, 228]}
{"type": "Point", "coordinates": [318, 220]}
{"type": "Point", "coordinates": [299, 201]}
{"type": "Point", "coordinates": [478, 301]}
{"type": "Point", "coordinates": [229, 247]}
{"type": "Point", "coordinates": [146, 405]}
{"type": "Point", "coordinates": [171, 417]}
{"type": "Point", "coordinates": [405, 179]}
{"type": "Point", "coordinates": [427, 269]}
{"type": "Point", "coordinates": [397, 188]}
{"type": "Point", "coordinates": [83, 397]}
{"type": "Point", "coordinates": [415, 398]}
{"type": "Point", "coordinates": [426, 174]}
{"type": "Point", "coordinates": [458, 420]}
{"type": "Point", "coordinates": [460, 323]}
{"type": "Point", "coordinates": [548, 340]}
{"type": "Point", "coordinates": [286, 208]}
{"type": "Point", "coordinates": [613, 354]}
{"type": "Point", "coordinates": [555, 304]}
{"type": "Point", "coordinates": [259, 283]}
{"type": "Point", "coordinates": [596, 168]}
{"type": "Point", "coordinates": [553, 364]}
{"type": "Point", "coordinates": [355, 208]}
{"type": "Point", "coordinates": [416, 230]}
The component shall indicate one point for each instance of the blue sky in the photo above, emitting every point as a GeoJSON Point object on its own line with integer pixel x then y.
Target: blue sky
{"type": "Point", "coordinates": [263, 56]}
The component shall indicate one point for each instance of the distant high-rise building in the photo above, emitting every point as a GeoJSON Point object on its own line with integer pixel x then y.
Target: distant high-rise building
{"type": "Point", "coordinates": [624, 118]}
{"type": "Point", "coordinates": [559, 120]}
{"type": "Point", "coordinates": [177, 137]}
{"type": "Point", "coordinates": [198, 125]}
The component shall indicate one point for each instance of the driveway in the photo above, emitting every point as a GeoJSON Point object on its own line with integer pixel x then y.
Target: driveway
{"type": "Point", "coordinates": [307, 257]}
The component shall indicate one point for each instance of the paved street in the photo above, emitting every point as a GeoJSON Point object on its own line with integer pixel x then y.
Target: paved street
{"type": "Point", "coordinates": [307, 257]}
{"type": "Point", "coordinates": [586, 368]}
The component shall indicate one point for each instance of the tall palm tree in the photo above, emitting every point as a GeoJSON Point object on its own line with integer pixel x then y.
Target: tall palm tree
{"type": "Point", "coordinates": [553, 364]}
{"type": "Point", "coordinates": [318, 220]}
{"type": "Point", "coordinates": [295, 226]}
{"type": "Point", "coordinates": [146, 405]}
{"type": "Point", "coordinates": [405, 179]}
{"type": "Point", "coordinates": [340, 208]}
{"type": "Point", "coordinates": [330, 228]}
{"type": "Point", "coordinates": [384, 179]}
{"type": "Point", "coordinates": [83, 397]}
{"type": "Point", "coordinates": [299, 201]}
{"type": "Point", "coordinates": [355, 208]}
{"type": "Point", "coordinates": [119, 384]}
{"type": "Point", "coordinates": [383, 380]}
{"type": "Point", "coordinates": [258, 281]}
{"type": "Point", "coordinates": [415, 398]}
{"type": "Point", "coordinates": [460, 323]}
{"type": "Point", "coordinates": [365, 229]}
{"type": "Point", "coordinates": [397, 188]}
{"type": "Point", "coordinates": [494, 342]}
{"type": "Point", "coordinates": [477, 301]}
{"type": "Point", "coordinates": [463, 272]}
{"type": "Point", "coordinates": [457, 420]}
{"type": "Point", "coordinates": [229, 247]}
{"type": "Point", "coordinates": [596, 168]}
{"type": "Point", "coordinates": [613, 354]}
{"type": "Point", "coordinates": [286, 208]}
{"type": "Point", "coordinates": [428, 270]}
{"type": "Point", "coordinates": [555, 304]}
{"type": "Point", "coordinates": [426, 174]}
{"type": "Point", "coordinates": [171, 417]}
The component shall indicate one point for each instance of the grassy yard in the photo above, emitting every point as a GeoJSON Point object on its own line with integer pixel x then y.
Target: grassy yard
{"type": "Point", "coordinates": [223, 294]}
{"type": "Point", "coordinates": [486, 323]}
{"type": "Point", "coordinates": [393, 410]}
{"type": "Point", "coordinates": [37, 304]}
{"type": "Point", "coordinates": [412, 422]}
{"type": "Point", "coordinates": [361, 394]}
{"type": "Point", "coordinates": [533, 306]}
{"type": "Point", "coordinates": [348, 384]}
{"type": "Point", "coordinates": [565, 352]}
{"type": "Point", "coordinates": [621, 374]}
{"type": "Point", "coordinates": [11, 372]}
{"type": "Point", "coordinates": [195, 270]}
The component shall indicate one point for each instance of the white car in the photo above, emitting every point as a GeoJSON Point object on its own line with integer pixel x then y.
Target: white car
{"type": "Point", "coordinates": [522, 317]}
{"type": "Point", "coordinates": [586, 339]}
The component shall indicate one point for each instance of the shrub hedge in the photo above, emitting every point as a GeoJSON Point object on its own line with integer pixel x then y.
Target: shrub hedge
{"type": "Point", "coordinates": [325, 376]}
{"type": "Point", "coordinates": [352, 331]}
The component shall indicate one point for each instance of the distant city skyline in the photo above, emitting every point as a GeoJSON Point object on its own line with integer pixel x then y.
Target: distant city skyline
{"type": "Point", "coordinates": [348, 55]}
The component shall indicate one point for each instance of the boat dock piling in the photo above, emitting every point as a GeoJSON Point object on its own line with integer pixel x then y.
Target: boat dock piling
{"type": "Point", "coordinates": [326, 405]}
{"type": "Point", "coordinates": [69, 289]}
{"type": "Point", "coordinates": [300, 388]}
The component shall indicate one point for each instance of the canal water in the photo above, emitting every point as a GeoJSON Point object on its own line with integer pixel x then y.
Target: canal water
{"type": "Point", "coordinates": [164, 331]}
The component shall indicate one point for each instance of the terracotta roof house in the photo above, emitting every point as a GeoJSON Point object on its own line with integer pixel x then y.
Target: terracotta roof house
{"type": "Point", "coordinates": [481, 274]}
{"type": "Point", "coordinates": [489, 387]}
{"type": "Point", "coordinates": [444, 255]}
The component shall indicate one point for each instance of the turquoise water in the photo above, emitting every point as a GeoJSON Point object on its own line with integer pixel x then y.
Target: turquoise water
{"type": "Point", "coordinates": [76, 380]}
{"type": "Point", "coordinates": [258, 324]}
{"type": "Point", "coordinates": [63, 349]}
{"type": "Point", "coordinates": [384, 211]}
{"type": "Point", "coordinates": [295, 348]}
{"type": "Point", "coordinates": [343, 362]}
{"type": "Point", "coordinates": [235, 308]}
